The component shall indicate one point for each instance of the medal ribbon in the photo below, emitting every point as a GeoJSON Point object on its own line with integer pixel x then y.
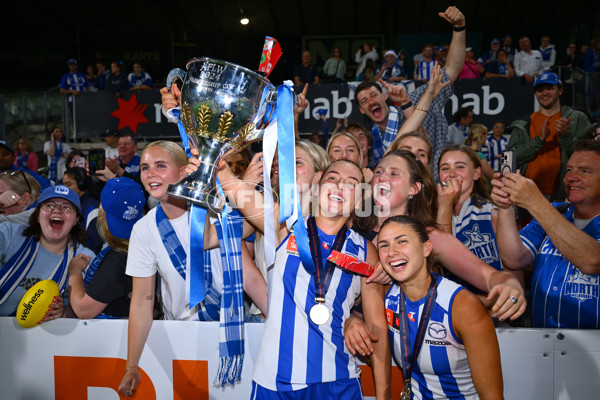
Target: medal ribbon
{"type": "Point", "coordinates": [322, 282]}
{"type": "Point", "coordinates": [410, 355]}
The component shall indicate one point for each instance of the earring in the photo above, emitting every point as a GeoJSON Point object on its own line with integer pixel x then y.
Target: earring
{"type": "Point", "coordinates": [410, 196]}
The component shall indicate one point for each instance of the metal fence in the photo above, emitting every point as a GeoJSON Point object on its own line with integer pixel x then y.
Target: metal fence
{"type": "Point", "coordinates": [581, 90]}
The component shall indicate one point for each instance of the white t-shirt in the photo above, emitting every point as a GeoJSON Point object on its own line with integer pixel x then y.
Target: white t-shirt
{"type": "Point", "coordinates": [61, 166]}
{"type": "Point", "coordinates": [147, 255]}
{"type": "Point", "coordinates": [109, 152]}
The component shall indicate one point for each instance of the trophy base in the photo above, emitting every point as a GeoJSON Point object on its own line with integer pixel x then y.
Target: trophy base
{"type": "Point", "coordinates": [193, 195]}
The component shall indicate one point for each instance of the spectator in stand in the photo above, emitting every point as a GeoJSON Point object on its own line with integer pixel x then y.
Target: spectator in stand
{"type": "Point", "coordinates": [101, 78]}
{"type": "Point", "coordinates": [316, 139]}
{"type": "Point", "coordinates": [366, 52]}
{"type": "Point", "coordinates": [544, 142]}
{"type": "Point", "coordinates": [116, 82]}
{"type": "Point", "coordinates": [390, 70]}
{"type": "Point", "coordinates": [80, 182]}
{"type": "Point", "coordinates": [305, 72]}
{"type": "Point", "coordinates": [365, 140]}
{"type": "Point", "coordinates": [511, 51]}
{"type": "Point", "coordinates": [111, 139]}
{"type": "Point", "coordinates": [591, 63]}
{"type": "Point", "coordinates": [562, 242]}
{"type": "Point", "coordinates": [25, 157]}
{"type": "Point", "coordinates": [495, 145]}
{"type": "Point", "coordinates": [491, 54]}
{"type": "Point", "coordinates": [528, 63]}
{"type": "Point", "coordinates": [500, 68]}
{"type": "Point", "coordinates": [90, 75]}
{"type": "Point", "coordinates": [334, 69]}
{"type": "Point", "coordinates": [7, 160]}
{"type": "Point", "coordinates": [423, 67]}
{"type": "Point", "coordinates": [128, 162]}
{"type": "Point", "coordinates": [368, 73]}
{"type": "Point", "coordinates": [18, 196]}
{"type": "Point", "coordinates": [76, 158]}
{"type": "Point", "coordinates": [101, 289]}
{"type": "Point", "coordinates": [57, 151]}
{"type": "Point", "coordinates": [73, 82]}
{"type": "Point", "coordinates": [441, 53]}
{"type": "Point", "coordinates": [471, 68]}
{"type": "Point", "coordinates": [548, 53]}
{"type": "Point", "coordinates": [570, 59]}
{"type": "Point", "coordinates": [402, 58]}
{"type": "Point", "coordinates": [457, 131]}
{"type": "Point", "coordinates": [139, 79]}
{"type": "Point", "coordinates": [476, 140]}
{"type": "Point", "coordinates": [388, 120]}
{"type": "Point", "coordinates": [594, 132]}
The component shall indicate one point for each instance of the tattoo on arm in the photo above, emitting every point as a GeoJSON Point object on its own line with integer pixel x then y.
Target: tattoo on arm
{"type": "Point", "coordinates": [149, 297]}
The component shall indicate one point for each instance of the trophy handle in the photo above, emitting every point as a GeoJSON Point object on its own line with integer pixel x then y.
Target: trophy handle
{"type": "Point", "coordinates": [173, 75]}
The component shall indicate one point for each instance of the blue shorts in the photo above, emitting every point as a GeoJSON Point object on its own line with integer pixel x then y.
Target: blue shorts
{"type": "Point", "coordinates": [347, 389]}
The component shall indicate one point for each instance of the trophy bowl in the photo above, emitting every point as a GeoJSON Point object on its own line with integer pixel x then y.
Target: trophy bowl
{"type": "Point", "coordinates": [223, 106]}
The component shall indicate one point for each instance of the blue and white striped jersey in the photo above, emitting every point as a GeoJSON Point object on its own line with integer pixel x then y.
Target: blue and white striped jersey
{"type": "Point", "coordinates": [295, 352]}
{"type": "Point", "coordinates": [561, 295]}
{"type": "Point", "coordinates": [442, 370]}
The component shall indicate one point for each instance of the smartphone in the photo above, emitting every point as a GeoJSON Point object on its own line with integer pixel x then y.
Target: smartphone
{"type": "Point", "coordinates": [96, 160]}
{"type": "Point", "coordinates": [508, 162]}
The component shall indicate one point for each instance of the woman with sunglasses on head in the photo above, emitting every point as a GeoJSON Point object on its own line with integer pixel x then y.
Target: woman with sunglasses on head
{"type": "Point", "coordinates": [41, 250]}
{"type": "Point", "coordinates": [18, 196]}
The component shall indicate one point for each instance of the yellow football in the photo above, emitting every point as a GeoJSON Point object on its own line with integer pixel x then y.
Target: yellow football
{"type": "Point", "coordinates": [35, 303]}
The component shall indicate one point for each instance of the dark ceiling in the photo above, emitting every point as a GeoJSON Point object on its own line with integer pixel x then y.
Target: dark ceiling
{"type": "Point", "coordinates": [44, 34]}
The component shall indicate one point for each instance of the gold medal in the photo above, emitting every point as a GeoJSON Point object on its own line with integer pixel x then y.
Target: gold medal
{"type": "Point", "coordinates": [406, 393]}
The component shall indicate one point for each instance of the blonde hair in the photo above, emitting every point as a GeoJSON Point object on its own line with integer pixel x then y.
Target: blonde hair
{"type": "Point", "coordinates": [319, 157]}
{"type": "Point", "coordinates": [351, 137]}
{"type": "Point", "coordinates": [474, 134]}
{"type": "Point", "coordinates": [20, 182]}
{"type": "Point", "coordinates": [114, 242]}
{"type": "Point", "coordinates": [174, 150]}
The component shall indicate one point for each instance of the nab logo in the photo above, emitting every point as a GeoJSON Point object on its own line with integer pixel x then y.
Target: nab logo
{"type": "Point", "coordinates": [130, 113]}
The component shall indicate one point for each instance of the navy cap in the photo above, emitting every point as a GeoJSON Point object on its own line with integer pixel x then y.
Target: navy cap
{"type": "Point", "coordinates": [6, 146]}
{"type": "Point", "coordinates": [122, 200]}
{"type": "Point", "coordinates": [71, 61]}
{"type": "Point", "coordinates": [61, 192]}
{"type": "Point", "coordinates": [547, 77]}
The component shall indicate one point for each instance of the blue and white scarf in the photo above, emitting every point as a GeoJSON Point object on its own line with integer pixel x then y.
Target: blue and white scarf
{"type": "Point", "coordinates": [18, 266]}
{"type": "Point", "coordinates": [227, 306]}
{"type": "Point", "coordinates": [90, 272]}
{"type": "Point", "coordinates": [52, 167]}
{"type": "Point", "coordinates": [391, 130]}
{"type": "Point", "coordinates": [22, 160]}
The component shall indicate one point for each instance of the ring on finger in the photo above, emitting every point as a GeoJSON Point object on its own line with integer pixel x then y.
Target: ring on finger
{"type": "Point", "coordinates": [513, 299]}
{"type": "Point", "coordinates": [444, 184]}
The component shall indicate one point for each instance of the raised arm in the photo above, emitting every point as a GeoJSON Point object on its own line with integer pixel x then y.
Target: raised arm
{"type": "Point", "coordinates": [456, 52]}
{"type": "Point", "coordinates": [500, 285]}
{"type": "Point", "coordinates": [581, 249]}
{"type": "Point", "coordinates": [254, 283]}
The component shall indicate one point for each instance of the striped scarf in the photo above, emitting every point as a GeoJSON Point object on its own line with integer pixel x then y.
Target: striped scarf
{"type": "Point", "coordinates": [52, 167]}
{"type": "Point", "coordinates": [227, 306]}
{"type": "Point", "coordinates": [380, 144]}
{"type": "Point", "coordinates": [18, 266]}
{"type": "Point", "coordinates": [22, 160]}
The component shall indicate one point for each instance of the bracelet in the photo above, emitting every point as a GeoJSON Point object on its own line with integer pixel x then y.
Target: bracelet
{"type": "Point", "coordinates": [421, 109]}
{"type": "Point", "coordinates": [407, 105]}
{"type": "Point", "coordinates": [128, 368]}
{"type": "Point", "coordinates": [459, 28]}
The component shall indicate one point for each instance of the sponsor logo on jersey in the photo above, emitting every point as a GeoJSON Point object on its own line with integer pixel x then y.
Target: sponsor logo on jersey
{"type": "Point", "coordinates": [291, 247]}
{"type": "Point", "coordinates": [581, 286]}
{"type": "Point", "coordinates": [437, 331]}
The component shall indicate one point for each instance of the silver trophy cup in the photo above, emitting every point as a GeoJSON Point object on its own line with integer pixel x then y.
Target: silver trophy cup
{"type": "Point", "coordinates": [223, 106]}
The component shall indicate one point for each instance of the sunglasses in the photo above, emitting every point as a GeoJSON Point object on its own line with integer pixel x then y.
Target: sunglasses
{"type": "Point", "coordinates": [18, 172]}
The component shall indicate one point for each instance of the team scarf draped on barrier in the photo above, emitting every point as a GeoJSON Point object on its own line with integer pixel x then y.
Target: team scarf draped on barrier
{"type": "Point", "coordinates": [19, 265]}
